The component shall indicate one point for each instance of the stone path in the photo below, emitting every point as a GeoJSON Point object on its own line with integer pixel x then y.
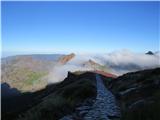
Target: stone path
{"type": "Point", "coordinates": [103, 108]}
{"type": "Point", "coordinates": [105, 105]}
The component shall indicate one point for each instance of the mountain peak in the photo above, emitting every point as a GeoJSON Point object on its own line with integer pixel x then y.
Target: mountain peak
{"type": "Point", "coordinates": [150, 53]}
{"type": "Point", "coordinates": [66, 58]}
{"type": "Point", "coordinates": [90, 63]}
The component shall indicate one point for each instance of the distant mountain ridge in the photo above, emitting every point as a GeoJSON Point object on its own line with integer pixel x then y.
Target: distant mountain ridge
{"type": "Point", "coordinates": [150, 53]}
{"type": "Point", "coordinates": [48, 57]}
{"type": "Point", "coordinates": [25, 71]}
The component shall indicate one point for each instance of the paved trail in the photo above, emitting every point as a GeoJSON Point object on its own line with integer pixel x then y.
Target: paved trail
{"type": "Point", "coordinates": [104, 106]}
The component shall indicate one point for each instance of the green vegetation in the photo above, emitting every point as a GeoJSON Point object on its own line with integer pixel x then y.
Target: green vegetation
{"type": "Point", "coordinates": [29, 80]}
{"type": "Point", "coordinates": [33, 78]}
{"type": "Point", "coordinates": [25, 79]}
{"type": "Point", "coordinates": [103, 68]}
{"type": "Point", "coordinates": [78, 91]}
{"type": "Point", "coordinates": [22, 72]}
{"type": "Point", "coordinates": [68, 94]}
{"type": "Point", "coordinates": [50, 109]}
{"type": "Point", "coordinates": [79, 72]}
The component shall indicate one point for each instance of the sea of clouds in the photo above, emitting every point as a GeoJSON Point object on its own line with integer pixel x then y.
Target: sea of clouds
{"type": "Point", "coordinates": [118, 62]}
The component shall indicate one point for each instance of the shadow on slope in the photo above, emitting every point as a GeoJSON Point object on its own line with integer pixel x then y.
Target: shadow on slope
{"type": "Point", "coordinates": [53, 102]}
{"type": "Point", "coordinates": [7, 91]}
{"type": "Point", "coordinates": [138, 94]}
{"type": "Point", "coordinates": [13, 102]}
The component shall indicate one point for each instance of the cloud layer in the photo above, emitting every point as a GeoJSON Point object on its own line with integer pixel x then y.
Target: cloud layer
{"type": "Point", "coordinates": [119, 62]}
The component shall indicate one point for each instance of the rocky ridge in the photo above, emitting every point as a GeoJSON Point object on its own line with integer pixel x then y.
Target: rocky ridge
{"type": "Point", "coordinates": [104, 106]}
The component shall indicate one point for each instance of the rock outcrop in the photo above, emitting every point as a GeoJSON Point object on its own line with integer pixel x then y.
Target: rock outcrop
{"type": "Point", "coordinates": [150, 53]}
{"type": "Point", "coordinates": [138, 94]}
{"type": "Point", "coordinates": [63, 60]}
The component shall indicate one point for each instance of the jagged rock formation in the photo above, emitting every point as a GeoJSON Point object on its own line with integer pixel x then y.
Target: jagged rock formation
{"type": "Point", "coordinates": [63, 60]}
{"type": "Point", "coordinates": [91, 63]}
{"type": "Point", "coordinates": [150, 53]}
{"type": "Point", "coordinates": [95, 66]}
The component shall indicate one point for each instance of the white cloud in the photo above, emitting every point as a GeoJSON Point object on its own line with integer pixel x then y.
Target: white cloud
{"type": "Point", "coordinates": [119, 62]}
{"type": "Point", "coordinates": [60, 72]}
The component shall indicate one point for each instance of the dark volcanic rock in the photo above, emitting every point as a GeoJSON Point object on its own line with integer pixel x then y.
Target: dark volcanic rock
{"type": "Point", "coordinates": [150, 53]}
{"type": "Point", "coordinates": [138, 93]}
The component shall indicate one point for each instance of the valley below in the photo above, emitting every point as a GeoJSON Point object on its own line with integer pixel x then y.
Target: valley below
{"type": "Point", "coordinates": [80, 60]}
{"type": "Point", "coordinates": [80, 87]}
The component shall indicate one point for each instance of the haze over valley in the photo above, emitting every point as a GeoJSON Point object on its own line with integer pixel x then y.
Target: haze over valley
{"type": "Point", "coordinates": [34, 72]}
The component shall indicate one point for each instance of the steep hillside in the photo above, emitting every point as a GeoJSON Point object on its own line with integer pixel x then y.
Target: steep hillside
{"type": "Point", "coordinates": [25, 86]}
{"type": "Point", "coordinates": [24, 72]}
{"type": "Point", "coordinates": [138, 94]}
{"type": "Point", "coordinates": [55, 101]}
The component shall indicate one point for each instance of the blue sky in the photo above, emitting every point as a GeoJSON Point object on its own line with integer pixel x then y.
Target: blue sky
{"type": "Point", "coordinates": [80, 27]}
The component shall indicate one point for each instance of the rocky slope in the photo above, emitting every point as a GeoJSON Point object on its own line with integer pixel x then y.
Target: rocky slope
{"type": "Point", "coordinates": [24, 85]}
{"type": "Point", "coordinates": [137, 94]}
{"type": "Point", "coordinates": [53, 102]}
{"type": "Point", "coordinates": [95, 66]}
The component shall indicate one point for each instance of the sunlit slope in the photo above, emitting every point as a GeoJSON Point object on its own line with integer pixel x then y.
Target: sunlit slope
{"type": "Point", "coordinates": [28, 72]}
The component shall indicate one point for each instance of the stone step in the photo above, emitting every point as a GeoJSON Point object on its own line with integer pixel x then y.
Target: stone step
{"type": "Point", "coordinates": [66, 118]}
{"type": "Point", "coordinates": [83, 108]}
{"type": "Point", "coordinates": [82, 113]}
